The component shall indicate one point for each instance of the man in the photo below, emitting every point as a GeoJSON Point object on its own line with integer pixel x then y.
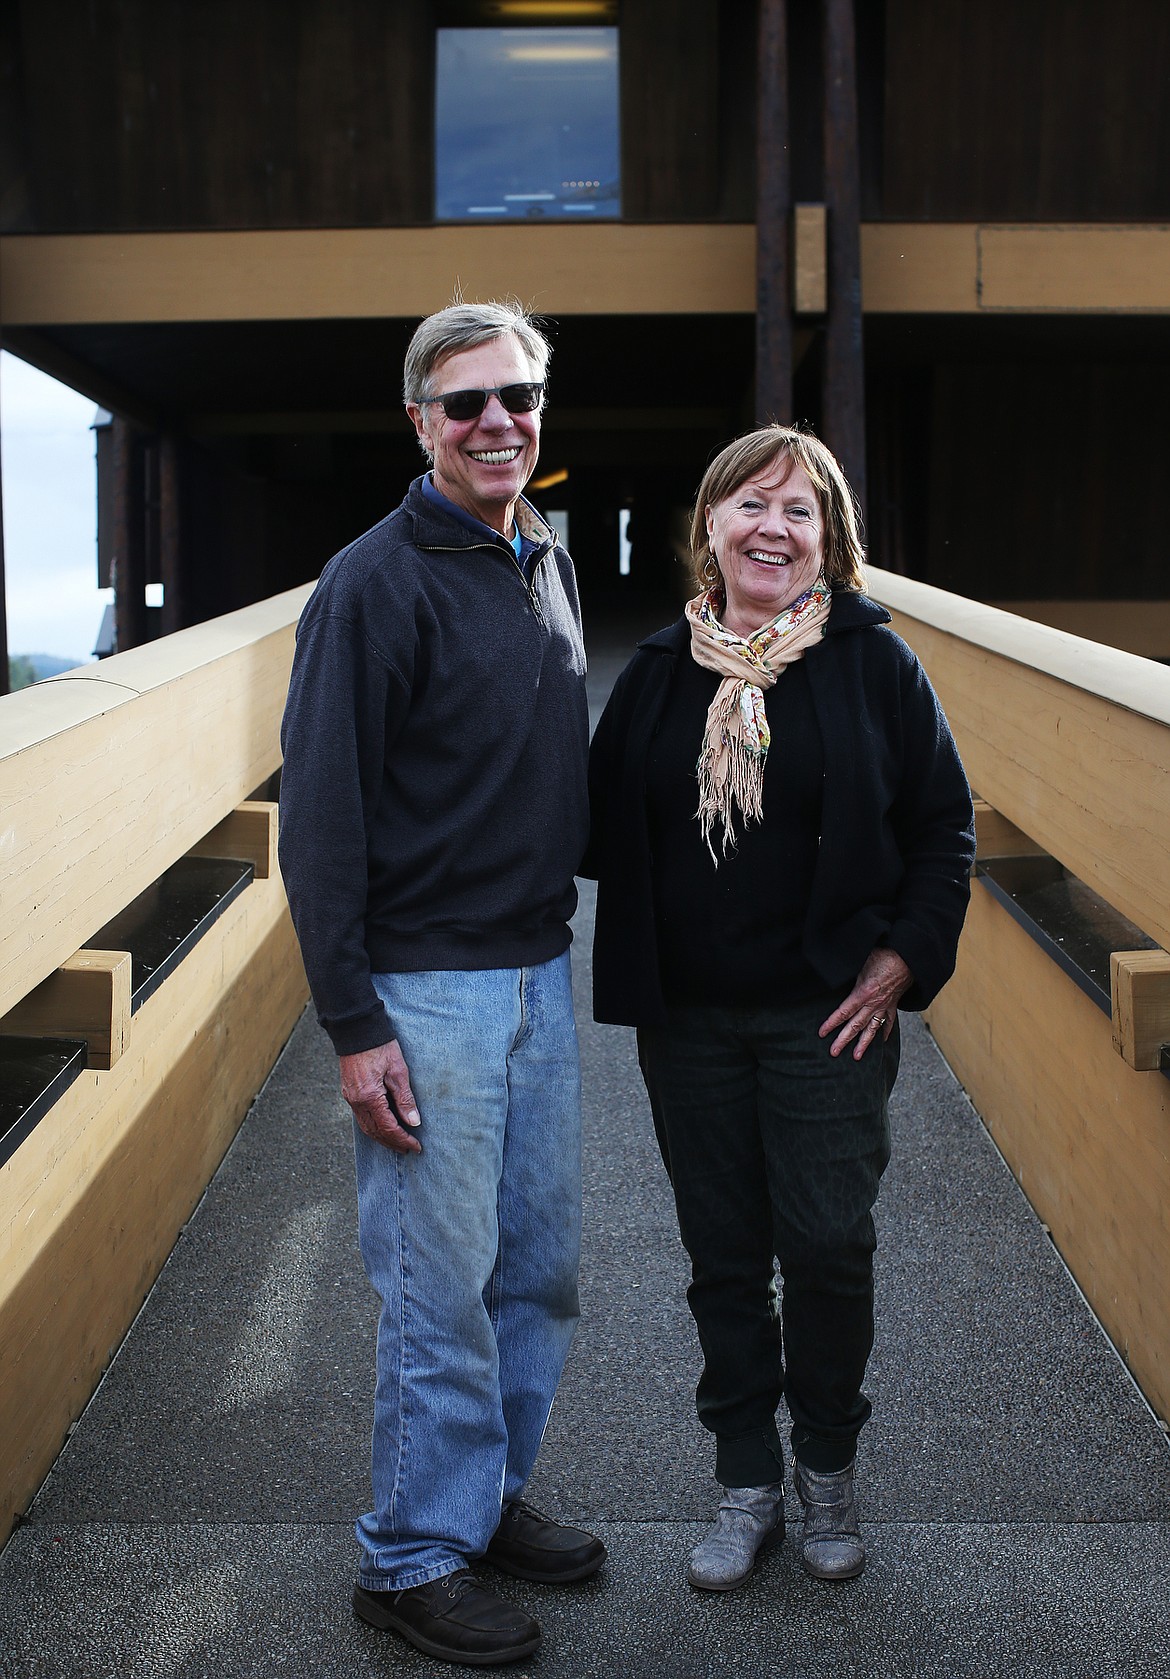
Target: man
{"type": "Point", "coordinates": [433, 811]}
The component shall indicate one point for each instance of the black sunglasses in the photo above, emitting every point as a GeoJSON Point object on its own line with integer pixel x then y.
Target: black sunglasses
{"type": "Point", "coordinates": [469, 405]}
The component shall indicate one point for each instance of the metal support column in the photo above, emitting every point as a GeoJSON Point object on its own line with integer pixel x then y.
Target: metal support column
{"type": "Point", "coordinates": [170, 535]}
{"type": "Point", "coordinates": [844, 377]}
{"type": "Point", "coordinates": [773, 214]}
{"type": "Point", "coordinates": [128, 565]}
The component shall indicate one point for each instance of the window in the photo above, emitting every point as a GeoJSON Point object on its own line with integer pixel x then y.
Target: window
{"type": "Point", "coordinates": [526, 124]}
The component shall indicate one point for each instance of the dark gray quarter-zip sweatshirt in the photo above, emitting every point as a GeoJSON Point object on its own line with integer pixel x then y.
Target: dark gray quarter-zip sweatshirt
{"type": "Point", "coordinates": [433, 805]}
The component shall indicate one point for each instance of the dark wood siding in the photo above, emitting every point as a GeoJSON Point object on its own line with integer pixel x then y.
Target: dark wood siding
{"type": "Point", "coordinates": [197, 114]}
{"type": "Point", "coordinates": [135, 114]}
{"type": "Point", "coordinates": [154, 114]}
{"type": "Point", "coordinates": [670, 88]}
{"type": "Point", "coordinates": [1028, 110]}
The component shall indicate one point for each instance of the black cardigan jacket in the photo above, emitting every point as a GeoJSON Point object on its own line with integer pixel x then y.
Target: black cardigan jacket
{"type": "Point", "coordinates": [898, 833]}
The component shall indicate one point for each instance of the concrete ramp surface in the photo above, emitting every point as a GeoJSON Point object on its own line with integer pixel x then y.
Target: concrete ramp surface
{"type": "Point", "coordinates": [1014, 1488]}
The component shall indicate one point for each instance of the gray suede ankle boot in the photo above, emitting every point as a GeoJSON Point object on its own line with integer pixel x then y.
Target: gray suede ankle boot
{"type": "Point", "coordinates": [831, 1548]}
{"type": "Point", "coordinates": [746, 1518]}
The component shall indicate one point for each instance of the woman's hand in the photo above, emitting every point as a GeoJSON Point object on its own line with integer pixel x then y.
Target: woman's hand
{"type": "Point", "coordinates": [872, 1005]}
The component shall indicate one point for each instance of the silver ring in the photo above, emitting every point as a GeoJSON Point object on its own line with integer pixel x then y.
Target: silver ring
{"type": "Point", "coordinates": [878, 1020]}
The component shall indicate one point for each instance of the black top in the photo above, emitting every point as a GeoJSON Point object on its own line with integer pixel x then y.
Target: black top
{"type": "Point", "coordinates": [897, 834]}
{"type": "Point", "coordinates": [433, 801]}
{"type": "Point", "coordinates": [732, 934]}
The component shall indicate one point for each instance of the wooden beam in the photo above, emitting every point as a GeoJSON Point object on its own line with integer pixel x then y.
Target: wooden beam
{"type": "Point", "coordinates": [249, 834]}
{"type": "Point", "coordinates": [844, 372]}
{"type": "Point", "coordinates": [1139, 986]}
{"type": "Point", "coordinates": [995, 836]}
{"type": "Point", "coordinates": [809, 259]}
{"type": "Point", "coordinates": [1099, 270]}
{"type": "Point", "coordinates": [927, 269]}
{"type": "Point", "coordinates": [378, 273]}
{"type": "Point", "coordinates": [375, 273]}
{"type": "Point", "coordinates": [773, 194]}
{"type": "Point", "coordinates": [88, 997]}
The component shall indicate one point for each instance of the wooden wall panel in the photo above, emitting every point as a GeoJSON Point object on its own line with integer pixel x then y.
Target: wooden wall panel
{"type": "Point", "coordinates": [1030, 110]}
{"type": "Point", "coordinates": [92, 1202]}
{"type": "Point", "coordinates": [1087, 1137]}
{"type": "Point", "coordinates": [246, 113]}
{"type": "Point", "coordinates": [168, 114]}
{"type": "Point", "coordinates": [670, 89]}
{"type": "Point", "coordinates": [735, 139]}
{"type": "Point", "coordinates": [122, 114]}
{"type": "Point", "coordinates": [14, 204]}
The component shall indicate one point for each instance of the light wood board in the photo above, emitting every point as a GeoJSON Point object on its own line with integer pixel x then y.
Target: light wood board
{"type": "Point", "coordinates": [1068, 740]}
{"type": "Point", "coordinates": [1087, 1137]}
{"type": "Point", "coordinates": [93, 1200]}
{"type": "Point", "coordinates": [107, 777]}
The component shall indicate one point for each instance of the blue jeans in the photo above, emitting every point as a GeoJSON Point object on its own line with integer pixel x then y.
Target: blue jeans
{"type": "Point", "coordinates": [472, 1247]}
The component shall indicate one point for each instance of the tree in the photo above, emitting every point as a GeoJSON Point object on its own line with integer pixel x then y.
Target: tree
{"type": "Point", "coordinates": [20, 672]}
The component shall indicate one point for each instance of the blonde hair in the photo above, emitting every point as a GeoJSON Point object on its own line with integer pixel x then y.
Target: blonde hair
{"type": "Point", "coordinates": [747, 457]}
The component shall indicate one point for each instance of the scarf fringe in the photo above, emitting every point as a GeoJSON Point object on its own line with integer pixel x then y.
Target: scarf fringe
{"type": "Point", "coordinates": [736, 736]}
{"type": "Point", "coordinates": [730, 772]}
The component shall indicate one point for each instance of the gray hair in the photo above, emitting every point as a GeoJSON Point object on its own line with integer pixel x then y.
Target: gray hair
{"type": "Point", "coordinates": [465, 326]}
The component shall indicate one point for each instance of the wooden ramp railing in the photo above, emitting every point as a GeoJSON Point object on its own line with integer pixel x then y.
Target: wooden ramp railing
{"type": "Point", "coordinates": [114, 774]}
{"type": "Point", "coordinates": [1068, 744]}
{"type": "Point", "coordinates": [109, 776]}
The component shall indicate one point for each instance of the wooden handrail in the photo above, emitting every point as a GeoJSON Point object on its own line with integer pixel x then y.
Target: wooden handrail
{"type": "Point", "coordinates": [1066, 738]}
{"type": "Point", "coordinates": [110, 773]}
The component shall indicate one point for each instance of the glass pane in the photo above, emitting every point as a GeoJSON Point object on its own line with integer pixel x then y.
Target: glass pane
{"type": "Point", "coordinates": [526, 124]}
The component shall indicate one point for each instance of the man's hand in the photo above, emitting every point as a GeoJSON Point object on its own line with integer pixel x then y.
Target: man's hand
{"type": "Point", "coordinates": [376, 1084]}
{"type": "Point", "coordinates": [872, 1006]}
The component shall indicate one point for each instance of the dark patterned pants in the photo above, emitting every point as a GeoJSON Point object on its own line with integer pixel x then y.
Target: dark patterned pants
{"type": "Point", "coordinates": [774, 1149]}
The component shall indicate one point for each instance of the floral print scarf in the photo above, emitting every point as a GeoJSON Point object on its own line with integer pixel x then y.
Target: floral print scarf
{"type": "Point", "coordinates": [737, 737]}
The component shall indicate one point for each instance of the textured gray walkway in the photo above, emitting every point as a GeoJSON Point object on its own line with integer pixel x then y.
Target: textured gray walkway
{"type": "Point", "coordinates": [1014, 1488]}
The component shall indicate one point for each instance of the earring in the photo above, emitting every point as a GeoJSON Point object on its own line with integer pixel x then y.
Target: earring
{"type": "Point", "coordinates": [711, 568]}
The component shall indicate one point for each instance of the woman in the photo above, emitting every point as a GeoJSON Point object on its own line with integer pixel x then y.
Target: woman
{"type": "Point", "coordinates": [781, 865]}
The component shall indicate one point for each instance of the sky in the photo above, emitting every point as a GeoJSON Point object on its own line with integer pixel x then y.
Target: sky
{"type": "Point", "coordinates": [50, 514]}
